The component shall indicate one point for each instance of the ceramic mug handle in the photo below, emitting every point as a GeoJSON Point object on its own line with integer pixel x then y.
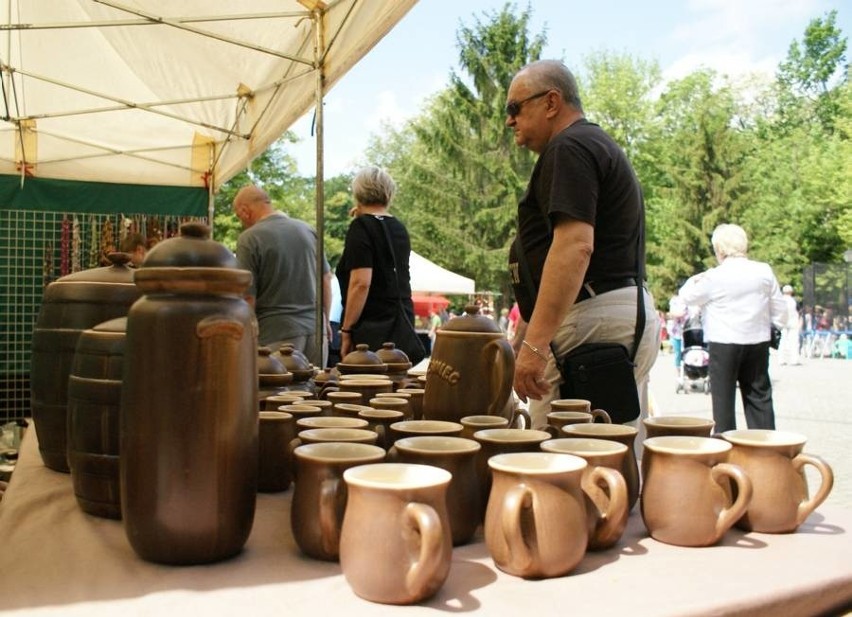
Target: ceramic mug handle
{"type": "Point", "coordinates": [516, 500]}
{"type": "Point", "coordinates": [728, 516]}
{"type": "Point", "coordinates": [328, 523]}
{"type": "Point", "coordinates": [613, 520]}
{"type": "Point", "coordinates": [602, 415]}
{"type": "Point", "coordinates": [806, 507]}
{"type": "Point", "coordinates": [424, 520]}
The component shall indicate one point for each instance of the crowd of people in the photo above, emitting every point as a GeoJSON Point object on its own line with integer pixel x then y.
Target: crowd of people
{"type": "Point", "coordinates": [577, 266]}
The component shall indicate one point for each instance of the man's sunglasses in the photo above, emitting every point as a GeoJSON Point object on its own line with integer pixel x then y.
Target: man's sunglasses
{"type": "Point", "coordinates": [513, 108]}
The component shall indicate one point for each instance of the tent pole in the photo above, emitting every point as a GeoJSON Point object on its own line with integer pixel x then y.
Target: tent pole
{"type": "Point", "coordinates": [319, 55]}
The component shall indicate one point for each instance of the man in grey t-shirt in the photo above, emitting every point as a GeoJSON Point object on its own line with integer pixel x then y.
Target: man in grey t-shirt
{"type": "Point", "coordinates": [281, 254]}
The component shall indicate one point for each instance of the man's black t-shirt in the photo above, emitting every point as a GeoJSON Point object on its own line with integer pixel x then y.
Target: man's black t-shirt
{"type": "Point", "coordinates": [583, 175]}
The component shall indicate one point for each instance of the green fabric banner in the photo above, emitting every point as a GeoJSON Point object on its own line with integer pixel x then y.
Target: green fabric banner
{"type": "Point", "coordinates": [46, 195]}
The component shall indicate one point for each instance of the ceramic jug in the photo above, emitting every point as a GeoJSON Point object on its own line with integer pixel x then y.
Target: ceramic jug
{"type": "Point", "coordinates": [471, 370]}
{"type": "Point", "coordinates": [189, 419]}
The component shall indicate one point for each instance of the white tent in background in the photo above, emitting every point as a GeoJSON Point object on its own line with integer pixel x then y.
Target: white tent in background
{"type": "Point", "coordinates": [428, 277]}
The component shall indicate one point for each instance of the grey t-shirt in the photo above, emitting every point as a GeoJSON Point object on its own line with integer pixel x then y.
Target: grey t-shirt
{"type": "Point", "coordinates": [280, 252]}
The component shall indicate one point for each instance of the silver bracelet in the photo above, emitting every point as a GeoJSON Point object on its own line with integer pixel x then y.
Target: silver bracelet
{"type": "Point", "coordinates": [535, 350]}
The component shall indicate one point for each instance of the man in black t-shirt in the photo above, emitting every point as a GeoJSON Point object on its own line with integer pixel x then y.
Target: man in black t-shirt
{"type": "Point", "coordinates": [579, 227]}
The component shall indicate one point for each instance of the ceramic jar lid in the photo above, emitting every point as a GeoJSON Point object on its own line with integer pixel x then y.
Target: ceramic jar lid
{"type": "Point", "coordinates": [362, 360]}
{"type": "Point", "coordinates": [471, 321]}
{"type": "Point", "coordinates": [193, 248]}
{"type": "Point", "coordinates": [396, 359]}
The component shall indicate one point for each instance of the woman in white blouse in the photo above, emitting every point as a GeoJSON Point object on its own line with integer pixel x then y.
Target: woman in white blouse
{"type": "Point", "coordinates": [740, 299]}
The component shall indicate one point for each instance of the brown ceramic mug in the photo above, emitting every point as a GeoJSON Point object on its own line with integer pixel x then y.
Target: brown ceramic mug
{"type": "Point", "coordinates": [392, 402]}
{"type": "Point", "coordinates": [403, 505]}
{"type": "Point", "coordinates": [337, 397]}
{"type": "Point", "coordinates": [347, 410]}
{"type": "Point", "coordinates": [415, 428]}
{"type": "Point", "coordinates": [319, 499]}
{"type": "Point", "coordinates": [775, 463]}
{"type": "Point", "coordinates": [536, 522]}
{"type": "Point", "coordinates": [301, 410]}
{"type": "Point", "coordinates": [475, 423]}
{"type": "Point", "coordinates": [621, 433]}
{"type": "Point", "coordinates": [415, 399]}
{"type": "Point", "coordinates": [458, 456]}
{"type": "Point", "coordinates": [379, 420]}
{"type": "Point", "coordinates": [329, 422]}
{"type": "Point", "coordinates": [274, 435]}
{"type": "Point", "coordinates": [686, 496]}
{"type": "Point", "coordinates": [367, 388]}
{"type": "Point", "coordinates": [350, 435]}
{"type": "Point", "coordinates": [661, 426]}
{"type": "Point", "coordinates": [273, 402]}
{"type": "Point", "coordinates": [606, 492]}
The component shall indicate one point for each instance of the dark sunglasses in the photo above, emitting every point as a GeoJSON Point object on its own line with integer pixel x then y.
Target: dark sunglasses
{"type": "Point", "coordinates": [513, 108]}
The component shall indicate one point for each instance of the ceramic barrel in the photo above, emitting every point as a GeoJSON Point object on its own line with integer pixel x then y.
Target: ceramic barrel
{"type": "Point", "coordinates": [94, 402]}
{"type": "Point", "coordinates": [189, 420]}
{"type": "Point", "coordinates": [70, 305]}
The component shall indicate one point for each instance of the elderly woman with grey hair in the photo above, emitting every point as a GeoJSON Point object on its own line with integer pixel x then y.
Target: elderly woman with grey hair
{"type": "Point", "coordinates": [741, 300]}
{"type": "Point", "coordinates": [374, 269]}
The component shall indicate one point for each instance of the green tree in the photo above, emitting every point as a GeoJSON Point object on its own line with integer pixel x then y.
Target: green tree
{"type": "Point", "coordinates": [459, 172]}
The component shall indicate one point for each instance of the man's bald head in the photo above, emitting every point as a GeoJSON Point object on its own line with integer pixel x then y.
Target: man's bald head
{"type": "Point", "coordinates": [251, 204]}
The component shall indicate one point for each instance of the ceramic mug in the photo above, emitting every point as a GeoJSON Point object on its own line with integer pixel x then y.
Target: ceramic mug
{"type": "Point", "coordinates": [403, 505]}
{"type": "Point", "coordinates": [605, 492]}
{"type": "Point", "coordinates": [501, 441]}
{"type": "Point", "coordinates": [329, 422]}
{"type": "Point", "coordinates": [415, 399]}
{"type": "Point", "coordinates": [475, 423]}
{"type": "Point", "coordinates": [621, 433]}
{"type": "Point", "coordinates": [458, 456]}
{"type": "Point", "coordinates": [274, 435]}
{"type": "Point", "coordinates": [535, 522]}
{"type": "Point", "coordinates": [414, 428]}
{"type": "Point", "coordinates": [379, 420]}
{"type": "Point", "coordinates": [775, 463]}
{"type": "Point", "coordinates": [661, 426]}
{"type": "Point", "coordinates": [571, 404]}
{"type": "Point", "coordinates": [686, 496]}
{"type": "Point", "coordinates": [319, 499]}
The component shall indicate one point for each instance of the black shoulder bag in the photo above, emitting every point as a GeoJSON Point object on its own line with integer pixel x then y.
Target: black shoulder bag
{"type": "Point", "coordinates": [398, 330]}
{"type": "Point", "coordinates": [601, 372]}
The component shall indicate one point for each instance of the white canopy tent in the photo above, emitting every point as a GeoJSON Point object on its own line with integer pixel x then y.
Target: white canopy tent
{"type": "Point", "coordinates": [429, 277]}
{"type": "Point", "coordinates": [173, 94]}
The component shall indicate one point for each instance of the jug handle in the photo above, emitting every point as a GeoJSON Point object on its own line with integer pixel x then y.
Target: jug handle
{"type": "Point", "coordinates": [729, 516]}
{"type": "Point", "coordinates": [328, 516]}
{"type": "Point", "coordinates": [502, 372]}
{"type": "Point", "coordinates": [219, 325]}
{"type": "Point", "coordinates": [806, 507]}
{"type": "Point", "coordinates": [517, 498]}
{"type": "Point", "coordinates": [425, 522]}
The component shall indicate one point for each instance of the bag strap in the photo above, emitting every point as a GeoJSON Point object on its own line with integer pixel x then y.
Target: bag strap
{"type": "Point", "coordinates": [529, 282]}
{"type": "Point", "coordinates": [389, 244]}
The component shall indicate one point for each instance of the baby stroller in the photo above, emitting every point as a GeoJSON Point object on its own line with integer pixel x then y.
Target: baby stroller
{"type": "Point", "coordinates": [695, 363]}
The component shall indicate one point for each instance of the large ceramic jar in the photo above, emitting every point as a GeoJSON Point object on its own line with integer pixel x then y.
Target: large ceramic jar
{"type": "Point", "coordinates": [189, 418]}
{"type": "Point", "coordinates": [70, 305]}
{"type": "Point", "coordinates": [471, 370]}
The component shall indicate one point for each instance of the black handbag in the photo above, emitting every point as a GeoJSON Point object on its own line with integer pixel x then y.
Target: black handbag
{"type": "Point", "coordinates": [603, 374]}
{"type": "Point", "coordinates": [774, 337]}
{"type": "Point", "coordinates": [399, 330]}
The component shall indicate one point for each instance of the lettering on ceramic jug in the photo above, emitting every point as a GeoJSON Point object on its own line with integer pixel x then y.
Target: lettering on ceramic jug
{"type": "Point", "coordinates": [445, 371]}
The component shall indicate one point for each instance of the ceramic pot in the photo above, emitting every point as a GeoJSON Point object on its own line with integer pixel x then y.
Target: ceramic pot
{"type": "Point", "coordinates": [471, 370]}
{"type": "Point", "coordinates": [69, 306]}
{"type": "Point", "coordinates": [189, 417]}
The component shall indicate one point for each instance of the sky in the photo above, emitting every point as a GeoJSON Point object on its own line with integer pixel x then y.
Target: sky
{"type": "Point", "coordinates": [395, 80]}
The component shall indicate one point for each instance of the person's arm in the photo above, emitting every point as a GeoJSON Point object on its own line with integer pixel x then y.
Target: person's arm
{"type": "Point", "coordinates": [778, 316]}
{"type": "Point", "coordinates": [356, 298]}
{"type": "Point", "coordinates": [564, 270]}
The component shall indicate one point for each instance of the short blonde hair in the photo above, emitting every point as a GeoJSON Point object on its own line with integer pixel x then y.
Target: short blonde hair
{"type": "Point", "coordinates": [730, 240]}
{"type": "Point", "coordinates": [373, 185]}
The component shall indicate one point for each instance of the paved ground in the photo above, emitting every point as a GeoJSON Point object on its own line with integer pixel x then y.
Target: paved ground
{"type": "Point", "coordinates": [814, 399]}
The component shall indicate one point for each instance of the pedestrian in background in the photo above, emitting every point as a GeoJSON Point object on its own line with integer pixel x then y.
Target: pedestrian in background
{"type": "Point", "coordinates": [281, 254]}
{"type": "Point", "coordinates": [740, 301]}
{"type": "Point", "coordinates": [788, 350]}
